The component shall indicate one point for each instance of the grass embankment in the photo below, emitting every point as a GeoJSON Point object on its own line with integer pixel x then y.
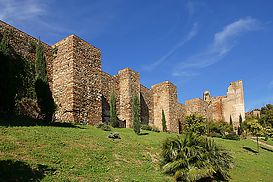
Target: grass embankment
{"type": "Point", "coordinates": [84, 153]}
{"type": "Point", "coordinates": [248, 164]}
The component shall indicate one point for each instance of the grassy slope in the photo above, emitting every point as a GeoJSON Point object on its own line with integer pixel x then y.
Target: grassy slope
{"type": "Point", "coordinates": [88, 155]}
{"type": "Point", "coordinates": [85, 154]}
{"type": "Point", "coordinates": [248, 165]}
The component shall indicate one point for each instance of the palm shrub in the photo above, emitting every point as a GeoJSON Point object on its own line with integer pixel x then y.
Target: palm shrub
{"type": "Point", "coordinates": [195, 158]}
{"type": "Point", "coordinates": [136, 113]}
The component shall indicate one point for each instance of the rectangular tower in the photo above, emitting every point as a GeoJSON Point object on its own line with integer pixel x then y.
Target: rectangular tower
{"type": "Point", "coordinates": [165, 98]}
{"type": "Point", "coordinates": [77, 81]}
{"type": "Point", "coordinates": [129, 83]}
{"type": "Point", "coordinates": [233, 103]}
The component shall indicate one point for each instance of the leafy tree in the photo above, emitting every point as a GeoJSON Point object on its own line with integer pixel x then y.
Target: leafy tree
{"type": "Point", "coordinates": [256, 129]}
{"type": "Point", "coordinates": [43, 92]}
{"type": "Point", "coordinates": [195, 158]}
{"type": "Point", "coordinates": [113, 110]}
{"type": "Point", "coordinates": [267, 115]}
{"type": "Point", "coordinates": [40, 63]}
{"type": "Point", "coordinates": [240, 128]}
{"type": "Point", "coordinates": [164, 127]}
{"type": "Point", "coordinates": [195, 123]}
{"type": "Point", "coordinates": [136, 113]}
{"type": "Point", "coordinates": [216, 128]}
{"type": "Point", "coordinates": [230, 121]}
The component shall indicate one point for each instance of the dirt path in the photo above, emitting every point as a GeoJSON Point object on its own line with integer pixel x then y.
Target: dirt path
{"type": "Point", "coordinates": [262, 143]}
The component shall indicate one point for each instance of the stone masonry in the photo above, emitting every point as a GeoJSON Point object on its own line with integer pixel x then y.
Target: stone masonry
{"type": "Point", "coordinates": [82, 90]}
{"type": "Point", "coordinates": [220, 108]}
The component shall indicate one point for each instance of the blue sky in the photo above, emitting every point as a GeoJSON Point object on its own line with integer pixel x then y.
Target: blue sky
{"type": "Point", "coordinates": [197, 45]}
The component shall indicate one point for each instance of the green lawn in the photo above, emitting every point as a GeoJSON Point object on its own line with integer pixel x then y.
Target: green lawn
{"type": "Point", "coordinates": [269, 141]}
{"type": "Point", "coordinates": [84, 153]}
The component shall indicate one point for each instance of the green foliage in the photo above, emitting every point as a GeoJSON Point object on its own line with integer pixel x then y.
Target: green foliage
{"type": "Point", "coordinates": [268, 131]}
{"type": "Point", "coordinates": [231, 136]}
{"type": "Point", "coordinates": [195, 123]}
{"type": "Point", "coordinates": [146, 127]}
{"type": "Point", "coordinates": [218, 129]}
{"type": "Point", "coordinates": [164, 126]}
{"type": "Point", "coordinates": [43, 92]}
{"type": "Point", "coordinates": [255, 128]}
{"type": "Point", "coordinates": [267, 116]}
{"type": "Point", "coordinates": [193, 158]}
{"type": "Point", "coordinates": [16, 77]}
{"type": "Point", "coordinates": [113, 111]}
{"type": "Point", "coordinates": [136, 113]}
{"type": "Point", "coordinates": [85, 153]}
{"type": "Point", "coordinates": [114, 135]}
{"type": "Point", "coordinates": [230, 121]}
{"type": "Point", "coordinates": [4, 45]}
{"type": "Point", "coordinates": [104, 127]}
{"type": "Point", "coordinates": [240, 128]}
{"type": "Point", "coordinates": [40, 63]}
{"type": "Point", "coordinates": [149, 128]}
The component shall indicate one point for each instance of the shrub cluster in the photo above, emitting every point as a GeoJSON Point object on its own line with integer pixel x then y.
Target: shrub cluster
{"type": "Point", "coordinates": [104, 127]}
{"type": "Point", "coordinates": [149, 128]}
{"type": "Point", "coordinates": [114, 135]}
{"type": "Point", "coordinates": [231, 136]}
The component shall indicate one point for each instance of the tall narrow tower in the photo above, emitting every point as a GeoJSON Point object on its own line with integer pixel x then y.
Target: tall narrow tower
{"type": "Point", "coordinates": [233, 103]}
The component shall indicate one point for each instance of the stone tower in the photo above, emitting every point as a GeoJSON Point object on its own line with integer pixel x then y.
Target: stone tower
{"type": "Point", "coordinates": [129, 84]}
{"type": "Point", "coordinates": [233, 103]}
{"type": "Point", "coordinates": [165, 97]}
{"type": "Point", "coordinates": [77, 81]}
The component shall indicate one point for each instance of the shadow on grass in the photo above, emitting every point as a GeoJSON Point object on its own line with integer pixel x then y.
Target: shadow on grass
{"type": "Point", "coordinates": [267, 149]}
{"type": "Point", "coordinates": [143, 133]}
{"type": "Point", "coordinates": [12, 170]}
{"type": "Point", "coordinates": [10, 121]}
{"type": "Point", "coordinates": [250, 150]}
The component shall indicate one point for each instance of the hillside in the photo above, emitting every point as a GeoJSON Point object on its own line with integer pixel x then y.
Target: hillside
{"type": "Point", "coordinates": [84, 153]}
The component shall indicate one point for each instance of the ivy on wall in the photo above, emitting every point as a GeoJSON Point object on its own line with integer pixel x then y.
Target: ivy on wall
{"type": "Point", "coordinates": [16, 77]}
{"type": "Point", "coordinates": [23, 81]}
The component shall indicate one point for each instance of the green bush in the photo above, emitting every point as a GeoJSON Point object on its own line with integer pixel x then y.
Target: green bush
{"type": "Point", "coordinates": [214, 134]}
{"type": "Point", "coordinates": [114, 135]}
{"type": "Point", "coordinates": [146, 127]}
{"type": "Point", "coordinates": [104, 127]}
{"type": "Point", "coordinates": [195, 123]}
{"type": "Point", "coordinates": [149, 128]}
{"type": "Point", "coordinates": [231, 136]}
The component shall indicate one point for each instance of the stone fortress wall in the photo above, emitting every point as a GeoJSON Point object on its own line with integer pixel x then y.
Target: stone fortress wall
{"type": "Point", "coordinates": [82, 90]}
{"type": "Point", "coordinates": [220, 108]}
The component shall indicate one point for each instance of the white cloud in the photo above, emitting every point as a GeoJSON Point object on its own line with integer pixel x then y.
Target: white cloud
{"type": "Point", "coordinates": [222, 44]}
{"type": "Point", "coordinates": [189, 36]}
{"type": "Point", "coordinates": [15, 10]}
